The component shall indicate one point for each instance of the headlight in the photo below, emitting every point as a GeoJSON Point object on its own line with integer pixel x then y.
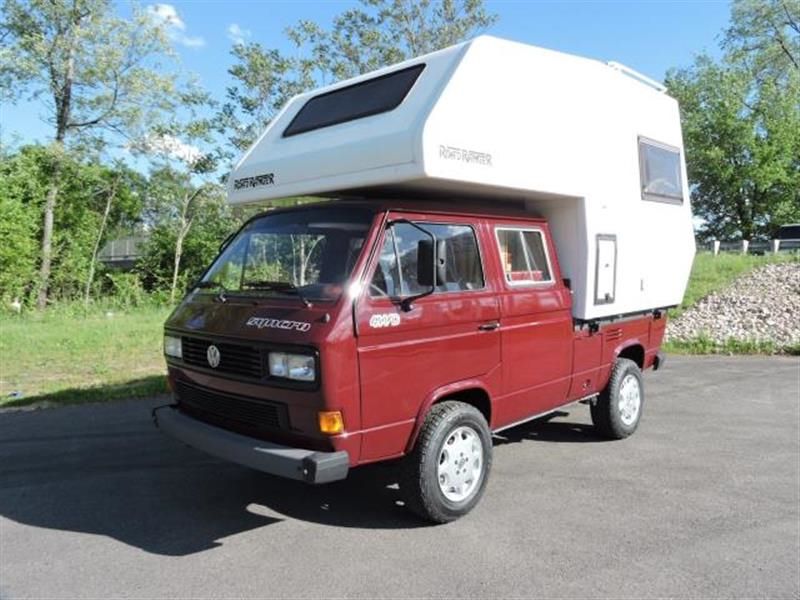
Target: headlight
{"type": "Point", "coordinates": [299, 367]}
{"type": "Point", "coordinates": [172, 346]}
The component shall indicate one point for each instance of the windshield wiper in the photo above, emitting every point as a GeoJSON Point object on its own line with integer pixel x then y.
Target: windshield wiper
{"type": "Point", "coordinates": [205, 285]}
{"type": "Point", "coordinates": [278, 286]}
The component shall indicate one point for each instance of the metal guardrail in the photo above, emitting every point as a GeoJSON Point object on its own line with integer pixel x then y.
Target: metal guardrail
{"type": "Point", "coordinates": [748, 247]}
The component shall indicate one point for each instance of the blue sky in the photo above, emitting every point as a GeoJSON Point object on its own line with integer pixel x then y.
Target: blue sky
{"type": "Point", "coordinates": [649, 36]}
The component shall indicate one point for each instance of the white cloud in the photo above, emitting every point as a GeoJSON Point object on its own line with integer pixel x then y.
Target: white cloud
{"type": "Point", "coordinates": [191, 41]}
{"type": "Point", "coordinates": [169, 145]}
{"type": "Point", "coordinates": [167, 16]}
{"type": "Point", "coordinates": [237, 34]}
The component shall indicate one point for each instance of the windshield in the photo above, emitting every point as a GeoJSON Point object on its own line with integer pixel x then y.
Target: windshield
{"type": "Point", "coordinates": [305, 253]}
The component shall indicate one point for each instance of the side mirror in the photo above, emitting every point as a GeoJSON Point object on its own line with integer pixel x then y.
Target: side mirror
{"type": "Point", "coordinates": [431, 265]}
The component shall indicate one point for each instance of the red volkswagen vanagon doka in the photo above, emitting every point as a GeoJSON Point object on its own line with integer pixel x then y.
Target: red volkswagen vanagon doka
{"type": "Point", "coordinates": [510, 226]}
{"type": "Point", "coordinates": [395, 330]}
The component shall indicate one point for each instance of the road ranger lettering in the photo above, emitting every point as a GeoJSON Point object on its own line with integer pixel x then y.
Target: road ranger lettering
{"type": "Point", "coordinates": [467, 156]}
{"type": "Point", "coordinates": [255, 181]}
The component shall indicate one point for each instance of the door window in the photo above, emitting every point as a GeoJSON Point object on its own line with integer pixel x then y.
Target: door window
{"type": "Point", "coordinates": [523, 256]}
{"type": "Point", "coordinates": [396, 273]}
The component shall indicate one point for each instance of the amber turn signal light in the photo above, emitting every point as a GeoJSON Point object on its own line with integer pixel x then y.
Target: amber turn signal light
{"type": "Point", "coordinates": [331, 422]}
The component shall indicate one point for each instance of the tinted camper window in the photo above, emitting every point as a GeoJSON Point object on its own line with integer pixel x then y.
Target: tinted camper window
{"type": "Point", "coordinates": [370, 97]}
{"type": "Point", "coordinates": [660, 172]}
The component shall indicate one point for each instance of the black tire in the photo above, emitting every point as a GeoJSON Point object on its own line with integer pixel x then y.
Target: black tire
{"type": "Point", "coordinates": [609, 420]}
{"type": "Point", "coordinates": [419, 482]}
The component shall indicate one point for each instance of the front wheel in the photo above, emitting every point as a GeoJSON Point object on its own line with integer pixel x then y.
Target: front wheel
{"type": "Point", "coordinates": [445, 475]}
{"type": "Point", "coordinates": [617, 411]}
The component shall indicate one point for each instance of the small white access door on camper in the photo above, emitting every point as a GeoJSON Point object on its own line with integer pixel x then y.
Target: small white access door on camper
{"type": "Point", "coordinates": [606, 269]}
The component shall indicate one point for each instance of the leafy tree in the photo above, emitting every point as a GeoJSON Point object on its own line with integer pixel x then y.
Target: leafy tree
{"type": "Point", "coordinates": [743, 150]}
{"type": "Point", "coordinates": [20, 189]}
{"type": "Point", "coordinates": [265, 81]}
{"type": "Point", "coordinates": [383, 32]}
{"type": "Point", "coordinates": [187, 154]}
{"type": "Point", "coordinates": [98, 73]}
{"type": "Point", "coordinates": [375, 34]}
{"type": "Point", "coordinates": [764, 35]}
{"type": "Point", "coordinates": [188, 222]}
{"type": "Point", "coordinates": [120, 191]}
{"type": "Point", "coordinates": [24, 177]}
{"type": "Point", "coordinates": [741, 122]}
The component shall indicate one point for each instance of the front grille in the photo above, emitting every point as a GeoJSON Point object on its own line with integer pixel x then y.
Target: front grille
{"type": "Point", "coordinates": [236, 359]}
{"type": "Point", "coordinates": [231, 412]}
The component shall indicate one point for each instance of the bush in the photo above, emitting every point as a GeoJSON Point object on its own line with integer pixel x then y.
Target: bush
{"type": "Point", "coordinates": [126, 289]}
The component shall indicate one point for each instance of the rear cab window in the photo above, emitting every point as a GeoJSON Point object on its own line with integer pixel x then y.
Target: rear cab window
{"type": "Point", "coordinates": [524, 259]}
{"type": "Point", "coordinates": [395, 275]}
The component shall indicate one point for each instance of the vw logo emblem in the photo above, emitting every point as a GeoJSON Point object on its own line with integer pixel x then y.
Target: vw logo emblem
{"type": "Point", "coordinates": [213, 356]}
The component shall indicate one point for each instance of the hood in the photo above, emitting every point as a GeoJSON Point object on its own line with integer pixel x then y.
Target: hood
{"type": "Point", "coordinates": [255, 320]}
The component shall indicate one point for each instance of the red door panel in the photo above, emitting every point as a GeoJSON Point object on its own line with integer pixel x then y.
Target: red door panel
{"type": "Point", "coordinates": [536, 330]}
{"type": "Point", "coordinates": [404, 356]}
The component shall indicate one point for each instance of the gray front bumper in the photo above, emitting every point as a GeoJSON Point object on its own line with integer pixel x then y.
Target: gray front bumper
{"type": "Point", "coordinates": [284, 461]}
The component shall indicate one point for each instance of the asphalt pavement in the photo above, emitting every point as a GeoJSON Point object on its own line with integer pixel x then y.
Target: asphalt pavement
{"type": "Point", "coordinates": [703, 501]}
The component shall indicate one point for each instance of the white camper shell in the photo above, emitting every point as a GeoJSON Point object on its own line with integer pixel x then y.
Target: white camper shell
{"type": "Point", "coordinates": [592, 147]}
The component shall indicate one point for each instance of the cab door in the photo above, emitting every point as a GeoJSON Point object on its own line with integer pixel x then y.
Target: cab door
{"type": "Point", "coordinates": [536, 322]}
{"type": "Point", "coordinates": [442, 339]}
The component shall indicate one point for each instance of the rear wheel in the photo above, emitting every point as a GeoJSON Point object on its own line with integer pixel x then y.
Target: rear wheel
{"type": "Point", "coordinates": [446, 473]}
{"type": "Point", "coordinates": [618, 409]}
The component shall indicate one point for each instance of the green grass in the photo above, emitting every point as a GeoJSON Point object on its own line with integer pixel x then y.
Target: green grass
{"type": "Point", "coordinates": [70, 356]}
{"type": "Point", "coordinates": [703, 345]}
{"type": "Point", "coordinates": [711, 273]}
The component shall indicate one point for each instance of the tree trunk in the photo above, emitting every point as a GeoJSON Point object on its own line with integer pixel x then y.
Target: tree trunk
{"type": "Point", "coordinates": [90, 278]}
{"type": "Point", "coordinates": [177, 263]}
{"type": "Point", "coordinates": [47, 237]}
{"type": "Point", "coordinates": [743, 214]}
{"type": "Point", "coordinates": [302, 260]}
{"type": "Point", "coordinates": [62, 95]}
{"type": "Point", "coordinates": [183, 229]}
{"type": "Point", "coordinates": [294, 260]}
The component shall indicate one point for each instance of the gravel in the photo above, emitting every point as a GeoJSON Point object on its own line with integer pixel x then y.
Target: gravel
{"type": "Point", "coordinates": [762, 306]}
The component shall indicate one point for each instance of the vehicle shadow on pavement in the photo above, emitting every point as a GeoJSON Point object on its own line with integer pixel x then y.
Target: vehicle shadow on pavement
{"type": "Point", "coordinates": [106, 470]}
{"type": "Point", "coordinates": [544, 429]}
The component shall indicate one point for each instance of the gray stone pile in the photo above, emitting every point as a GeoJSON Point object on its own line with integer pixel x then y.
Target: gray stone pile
{"type": "Point", "coordinates": [761, 306]}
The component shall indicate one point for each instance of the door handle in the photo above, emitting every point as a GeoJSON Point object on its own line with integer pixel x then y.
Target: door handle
{"type": "Point", "coordinates": [489, 326]}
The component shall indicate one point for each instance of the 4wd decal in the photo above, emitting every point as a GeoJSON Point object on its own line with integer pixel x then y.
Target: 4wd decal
{"type": "Point", "coordinates": [384, 320]}
{"type": "Point", "coordinates": [266, 322]}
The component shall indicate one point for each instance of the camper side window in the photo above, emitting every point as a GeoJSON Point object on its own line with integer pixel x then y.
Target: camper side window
{"type": "Point", "coordinates": [524, 256]}
{"type": "Point", "coordinates": [660, 172]}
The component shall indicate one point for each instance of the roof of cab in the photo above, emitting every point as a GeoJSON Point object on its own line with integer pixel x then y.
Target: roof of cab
{"type": "Point", "coordinates": [471, 208]}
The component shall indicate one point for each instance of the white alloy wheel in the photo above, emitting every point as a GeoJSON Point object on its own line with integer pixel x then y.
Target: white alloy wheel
{"type": "Point", "coordinates": [460, 464]}
{"type": "Point", "coordinates": [630, 400]}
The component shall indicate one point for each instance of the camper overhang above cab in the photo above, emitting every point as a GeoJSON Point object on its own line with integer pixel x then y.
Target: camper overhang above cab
{"type": "Point", "coordinates": [593, 147]}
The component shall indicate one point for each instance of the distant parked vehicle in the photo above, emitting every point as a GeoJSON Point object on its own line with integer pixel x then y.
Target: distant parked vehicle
{"type": "Point", "coordinates": [789, 236]}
